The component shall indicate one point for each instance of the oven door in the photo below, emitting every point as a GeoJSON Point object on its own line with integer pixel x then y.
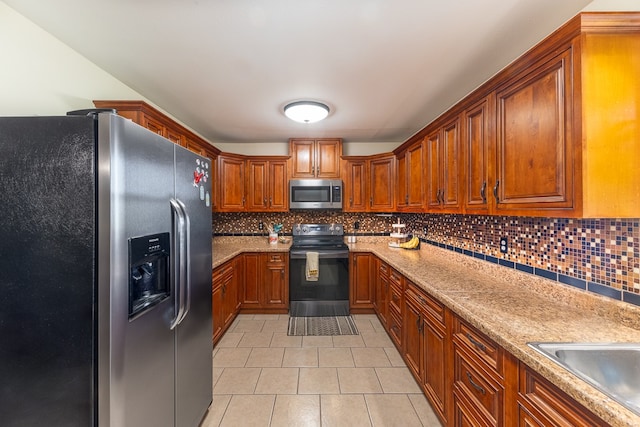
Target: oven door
{"type": "Point", "coordinates": [331, 290]}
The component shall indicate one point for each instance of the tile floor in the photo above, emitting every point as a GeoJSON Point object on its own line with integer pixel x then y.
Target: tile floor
{"type": "Point", "coordinates": [262, 377]}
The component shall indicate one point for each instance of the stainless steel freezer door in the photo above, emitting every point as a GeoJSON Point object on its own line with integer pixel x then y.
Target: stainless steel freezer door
{"type": "Point", "coordinates": [136, 357]}
{"type": "Point", "coordinates": [194, 334]}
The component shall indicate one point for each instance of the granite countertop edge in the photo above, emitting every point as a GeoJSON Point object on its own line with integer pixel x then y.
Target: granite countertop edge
{"type": "Point", "coordinates": [510, 307]}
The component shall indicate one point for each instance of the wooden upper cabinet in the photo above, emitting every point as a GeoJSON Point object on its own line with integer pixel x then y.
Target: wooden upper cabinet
{"type": "Point", "coordinates": [315, 158]}
{"type": "Point", "coordinates": [355, 177]}
{"type": "Point", "coordinates": [535, 150]}
{"type": "Point", "coordinates": [231, 185]}
{"type": "Point", "coordinates": [381, 183]}
{"type": "Point", "coordinates": [476, 149]}
{"type": "Point", "coordinates": [266, 184]}
{"type": "Point", "coordinates": [410, 179]}
{"type": "Point", "coordinates": [443, 168]}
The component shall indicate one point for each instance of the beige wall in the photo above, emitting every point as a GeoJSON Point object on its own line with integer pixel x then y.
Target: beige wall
{"type": "Point", "coordinates": [613, 5]}
{"type": "Point", "coordinates": [42, 76]}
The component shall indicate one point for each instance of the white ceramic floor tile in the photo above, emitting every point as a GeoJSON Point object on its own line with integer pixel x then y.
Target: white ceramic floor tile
{"type": "Point", "coordinates": [300, 357]}
{"type": "Point", "coordinates": [318, 381]}
{"type": "Point", "coordinates": [269, 357]}
{"type": "Point", "coordinates": [358, 380]}
{"type": "Point", "coordinates": [339, 410]}
{"type": "Point", "coordinates": [370, 357]}
{"type": "Point", "coordinates": [249, 411]}
{"type": "Point", "coordinates": [392, 410]}
{"type": "Point", "coordinates": [231, 357]}
{"type": "Point", "coordinates": [278, 381]}
{"type": "Point", "coordinates": [397, 380]}
{"type": "Point", "coordinates": [296, 411]}
{"type": "Point", "coordinates": [237, 381]}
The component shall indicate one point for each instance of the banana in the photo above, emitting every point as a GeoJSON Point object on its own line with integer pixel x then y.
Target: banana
{"type": "Point", "coordinates": [411, 244]}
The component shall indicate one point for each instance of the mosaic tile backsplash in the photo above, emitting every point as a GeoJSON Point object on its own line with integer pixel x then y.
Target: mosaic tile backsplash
{"type": "Point", "coordinates": [603, 253]}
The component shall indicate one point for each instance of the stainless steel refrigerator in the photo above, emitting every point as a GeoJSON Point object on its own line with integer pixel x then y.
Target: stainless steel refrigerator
{"type": "Point", "coordinates": [105, 275]}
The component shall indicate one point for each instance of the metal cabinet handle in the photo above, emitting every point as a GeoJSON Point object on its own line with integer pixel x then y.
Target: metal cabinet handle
{"type": "Point", "coordinates": [495, 190]}
{"type": "Point", "coordinates": [476, 386]}
{"type": "Point", "coordinates": [476, 343]}
{"type": "Point", "coordinates": [483, 192]}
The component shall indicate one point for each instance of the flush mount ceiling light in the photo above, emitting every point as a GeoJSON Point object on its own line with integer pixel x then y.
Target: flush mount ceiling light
{"type": "Point", "coordinates": [306, 111]}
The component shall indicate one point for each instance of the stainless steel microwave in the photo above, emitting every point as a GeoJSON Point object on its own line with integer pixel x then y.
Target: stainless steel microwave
{"type": "Point", "coordinates": [315, 194]}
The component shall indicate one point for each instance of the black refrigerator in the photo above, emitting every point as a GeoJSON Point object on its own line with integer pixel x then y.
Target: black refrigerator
{"type": "Point", "coordinates": [105, 275]}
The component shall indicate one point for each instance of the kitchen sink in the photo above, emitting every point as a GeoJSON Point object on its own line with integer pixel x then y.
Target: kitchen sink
{"type": "Point", "coordinates": [614, 369]}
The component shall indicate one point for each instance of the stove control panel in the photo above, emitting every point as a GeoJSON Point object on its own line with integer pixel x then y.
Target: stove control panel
{"type": "Point", "coordinates": [333, 229]}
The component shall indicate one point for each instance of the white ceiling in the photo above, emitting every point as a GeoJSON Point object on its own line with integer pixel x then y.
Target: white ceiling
{"type": "Point", "coordinates": [226, 68]}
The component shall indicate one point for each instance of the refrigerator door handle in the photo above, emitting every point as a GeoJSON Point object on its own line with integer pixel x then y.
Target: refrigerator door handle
{"type": "Point", "coordinates": [186, 256]}
{"type": "Point", "coordinates": [178, 265]}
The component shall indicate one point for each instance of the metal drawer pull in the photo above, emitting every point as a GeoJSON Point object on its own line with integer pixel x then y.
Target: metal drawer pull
{"type": "Point", "coordinates": [476, 386]}
{"type": "Point", "coordinates": [478, 344]}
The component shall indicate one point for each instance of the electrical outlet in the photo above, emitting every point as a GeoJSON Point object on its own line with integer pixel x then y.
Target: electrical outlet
{"type": "Point", "coordinates": [503, 245]}
{"type": "Point", "coordinates": [356, 225]}
{"type": "Point", "coordinates": [424, 230]}
{"type": "Point", "coordinates": [260, 225]}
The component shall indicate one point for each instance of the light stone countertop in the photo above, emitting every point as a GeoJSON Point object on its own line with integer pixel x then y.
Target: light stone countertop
{"type": "Point", "coordinates": [509, 306]}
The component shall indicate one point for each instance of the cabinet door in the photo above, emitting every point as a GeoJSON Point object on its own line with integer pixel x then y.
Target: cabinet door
{"type": "Point", "coordinates": [414, 175]}
{"type": "Point", "coordinates": [278, 186]}
{"type": "Point", "coordinates": [476, 153]}
{"type": "Point", "coordinates": [153, 125]}
{"type": "Point", "coordinates": [302, 158]}
{"type": "Point", "coordinates": [229, 297]}
{"type": "Point", "coordinates": [176, 138]}
{"type": "Point", "coordinates": [534, 150]}
{"type": "Point", "coordinates": [449, 164]}
{"type": "Point", "coordinates": [355, 179]}
{"type": "Point", "coordinates": [382, 291]}
{"type": "Point", "coordinates": [218, 311]}
{"type": "Point", "coordinates": [434, 366]}
{"type": "Point", "coordinates": [196, 147]}
{"type": "Point", "coordinates": [327, 162]}
{"type": "Point", "coordinates": [361, 289]}
{"type": "Point", "coordinates": [412, 337]}
{"type": "Point", "coordinates": [250, 288]}
{"type": "Point", "coordinates": [433, 170]}
{"type": "Point", "coordinates": [381, 180]}
{"type": "Point", "coordinates": [257, 186]}
{"type": "Point", "coordinates": [275, 280]}
{"type": "Point", "coordinates": [231, 184]}
{"type": "Point", "coordinates": [402, 196]}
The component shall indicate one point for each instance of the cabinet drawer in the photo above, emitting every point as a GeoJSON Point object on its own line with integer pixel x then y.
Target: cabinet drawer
{"type": "Point", "coordinates": [395, 299]}
{"type": "Point", "coordinates": [395, 328]}
{"type": "Point", "coordinates": [484, 392]}
{"type": "Point", "coordinates": [222, 271]}
{"type": "Point", "coordinates": [275, 258]}
{"type": "Point", "coordinates": [554, 404]}
{"type": "Point", "coordinates": [482, 348]}
{"type": "Point", "coordinates": [431, 307]}
{"type": "Point", "coordinates": [383, 270]}
{"type": "Point", "coordinates": [395, 277]}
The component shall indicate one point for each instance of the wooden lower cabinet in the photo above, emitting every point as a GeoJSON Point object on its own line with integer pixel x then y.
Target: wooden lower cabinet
{"type": "Point", "coordinates": [468, 379]}
{"type": "Point", "coordinates": [424, 344]}
{"type": "Point", "coordinates": [266, 283]}
{"type": "Point", "coordinates": [224, 296]}
{"type": "Point", "coordinates": [362, 284]}
{"type": "Point", "coordinates": [381, 301]}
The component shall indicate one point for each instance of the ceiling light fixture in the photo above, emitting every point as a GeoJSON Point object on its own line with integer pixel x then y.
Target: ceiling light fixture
{"type": "Point", "coordinates": [306, 111]}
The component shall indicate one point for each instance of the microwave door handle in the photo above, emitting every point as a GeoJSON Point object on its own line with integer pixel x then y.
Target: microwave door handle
{"type": "Point", "coordinates": [331, 193]}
